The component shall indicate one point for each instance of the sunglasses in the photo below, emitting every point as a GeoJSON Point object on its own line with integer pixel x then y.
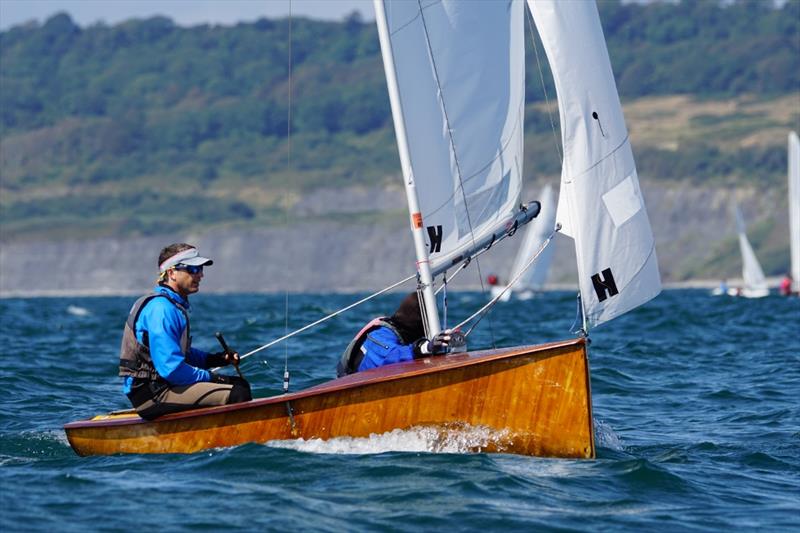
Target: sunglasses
{"type": "Point", "coordinates": [189, 269]}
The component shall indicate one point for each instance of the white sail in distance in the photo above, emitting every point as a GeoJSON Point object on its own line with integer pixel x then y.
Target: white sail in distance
{"type": "Point", "coordinates": [794, 209]}
{"type": "Point", "coordinates": [755, 284]}
{"type": "Point", "coordinates": [600, 203]}
{"type": "Point", "coordinates": [460, 77]}
{"type": "Point", "coordinates": [536, 234]}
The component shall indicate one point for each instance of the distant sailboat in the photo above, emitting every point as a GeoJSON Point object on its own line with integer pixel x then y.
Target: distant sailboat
{"type": "Point", "coordinates": [755, 284]}
{"type": "Point", "coordinates": [794, 209]}
{"type": "Point", "coordinates": [533, 279]}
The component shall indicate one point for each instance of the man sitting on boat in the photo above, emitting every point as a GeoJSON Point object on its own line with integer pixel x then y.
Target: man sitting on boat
{"type": "Point", "coordinates": [162, 372]}
{"type": "Point", "coordinates": [394, 339]}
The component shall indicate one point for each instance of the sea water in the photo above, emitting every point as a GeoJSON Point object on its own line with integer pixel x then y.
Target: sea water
{"type": "Point", "coordinates": [696, 403]}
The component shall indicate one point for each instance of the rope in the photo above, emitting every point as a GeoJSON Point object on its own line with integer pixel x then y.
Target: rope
{"type": "Point", "coordinates": [286, 211]}
{"type": "Point", "coordinates": [483, 311]}
{"type": "Point", "coordinates": [324, 319]}
{"type": "Point", "coordinates": [444, 298]}
{"type": "Point", "coordinates": [544, 87]}
{"type": "Point", "coordinates": [578, 316]}
{"type": "Point", "coordinates": [452, 141]}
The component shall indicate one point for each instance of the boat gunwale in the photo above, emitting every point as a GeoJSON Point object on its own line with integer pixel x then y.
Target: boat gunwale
{"type": "Point", "coordinates": [393, 372]}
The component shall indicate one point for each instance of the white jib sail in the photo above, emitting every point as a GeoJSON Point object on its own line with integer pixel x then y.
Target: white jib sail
{"type": "Point", "coordinates": [794, 208]}
{"type": "Point", "coordinates": [755, 284]}
{"type": "Point", "coordinates": [536, 234]}
{"type": "Point", "coordinates": [600, 204]}
{"type": "Point", "coordinates": [460, 76]}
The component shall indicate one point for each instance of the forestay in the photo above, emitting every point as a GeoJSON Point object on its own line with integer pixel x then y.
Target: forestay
{"type": "Point", "coordinates": [600, 203]}
{"type": "Point", "coordinates": [535, 236]}
{"type": "Point", "coordinates": [460, 77]}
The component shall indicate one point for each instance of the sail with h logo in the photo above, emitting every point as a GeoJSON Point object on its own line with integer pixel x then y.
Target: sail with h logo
{"type": "Point", "coordinates": [600, 205]}
{"type": "Point", "coordinates": [459, 99]}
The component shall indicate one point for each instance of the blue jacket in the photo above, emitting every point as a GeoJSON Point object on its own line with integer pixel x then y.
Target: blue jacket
{"type": "Point", "coordinates": [384, 347]}
{"type": "Point", "coordinates": [165, 323]}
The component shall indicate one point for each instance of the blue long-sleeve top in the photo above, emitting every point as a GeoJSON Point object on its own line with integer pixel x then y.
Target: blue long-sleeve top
{"type": "Point", "coordinates": [383, 347]}
{"type": "Point", "coordinates": [165, 324]}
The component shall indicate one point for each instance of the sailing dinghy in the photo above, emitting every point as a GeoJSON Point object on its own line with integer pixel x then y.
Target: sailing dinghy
{"type": "Point", "coordinates": [754, 282]}
{"type": "Point", "coordinates": [455, 74]}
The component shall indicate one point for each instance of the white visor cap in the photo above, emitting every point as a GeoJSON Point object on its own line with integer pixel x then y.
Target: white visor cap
{"type": "Point", "coordinates": [190, 257]}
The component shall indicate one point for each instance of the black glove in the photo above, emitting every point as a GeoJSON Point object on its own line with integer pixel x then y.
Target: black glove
{"type": "Point", "coordinates": [221, 359]}
{"type": "Point", "coordinates": [436, 346]}
{"type": "Point", "coordinates": [223, 379]}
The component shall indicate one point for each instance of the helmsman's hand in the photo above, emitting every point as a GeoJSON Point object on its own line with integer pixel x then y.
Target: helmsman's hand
{"type": "Point", "coordinates": [218, 359]}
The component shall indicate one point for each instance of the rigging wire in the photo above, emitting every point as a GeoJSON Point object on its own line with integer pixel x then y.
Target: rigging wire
{"type": "Point", "coordinates": [286, 212]}
{"type": "Point", "coordinates": [328, 317]}
{"type": "Point", "coordinates": [453, 146]}
{"type": "Point", "coordinates": [544, 87]}
{"type": "Point", "coordinates": [483, 311]}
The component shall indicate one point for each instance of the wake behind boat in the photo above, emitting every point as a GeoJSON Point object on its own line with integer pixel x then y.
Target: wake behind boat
{"type": "Point", "coordinates": [455, 73]}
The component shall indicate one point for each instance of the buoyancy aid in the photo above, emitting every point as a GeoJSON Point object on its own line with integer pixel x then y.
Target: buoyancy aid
{"type": "Point", "coordinates": [134, 356]}
{"type": "Point", "coordinates": [352, 356]}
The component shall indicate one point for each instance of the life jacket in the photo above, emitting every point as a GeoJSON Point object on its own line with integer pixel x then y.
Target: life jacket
{"type": "Point", "coordinates": [353, 355]}
{"type": "Point", "coordinates": [134, 356]}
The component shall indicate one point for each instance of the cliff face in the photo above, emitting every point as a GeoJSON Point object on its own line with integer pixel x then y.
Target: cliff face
{"type": "Point", "coordinates": [693, 227]}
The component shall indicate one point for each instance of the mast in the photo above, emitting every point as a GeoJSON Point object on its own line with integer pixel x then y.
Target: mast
{"type": "Point", "coordinates": [425, 282]}
{"type": "Point", "coordinates": [794, 209]}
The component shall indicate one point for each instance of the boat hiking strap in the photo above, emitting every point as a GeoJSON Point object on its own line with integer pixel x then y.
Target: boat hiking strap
{"type": "Point", "coordinates": [323, 319]}
{"type": "Point", "coordinates": [483, 311]}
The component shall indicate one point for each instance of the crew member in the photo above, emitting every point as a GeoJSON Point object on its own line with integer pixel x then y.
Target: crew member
{"type": "Point", "coordinates": [162, 372]}
{"type": "Point", "coordinates": [400, 337]}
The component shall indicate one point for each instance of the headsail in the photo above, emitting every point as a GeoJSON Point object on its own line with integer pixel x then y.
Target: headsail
{"type": "Point", "coordinates": [460, 78]}
{"type": "Point", "coordinates": [600, 204]}
{"type": "Point", "coordinates": [755, 284]}
{"type": "Point", "coordinates": [794, 208]}
{"type": "Point", "coordinates": [535, 235]}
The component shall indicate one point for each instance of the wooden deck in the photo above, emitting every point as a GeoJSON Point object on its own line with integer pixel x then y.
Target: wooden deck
{"type": "Point", "coordinates": [537, 399]}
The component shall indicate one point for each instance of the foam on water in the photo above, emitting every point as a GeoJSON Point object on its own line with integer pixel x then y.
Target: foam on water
{"type": "Point", "coordinates": [458, 438]}
{"type": "Point", "coordinates": [604, 436]}
{"type": "Point", "coordinates": [76, 310]}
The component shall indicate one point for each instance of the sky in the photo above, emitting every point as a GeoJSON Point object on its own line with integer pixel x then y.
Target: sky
{"type": "Point", "coordinates": [183, 12]}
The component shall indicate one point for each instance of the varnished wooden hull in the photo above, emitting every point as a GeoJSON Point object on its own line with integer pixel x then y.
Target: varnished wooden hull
{"type": "Point", "coordinates": [536, 399]}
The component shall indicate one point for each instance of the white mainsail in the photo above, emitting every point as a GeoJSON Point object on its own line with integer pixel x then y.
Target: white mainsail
{"type": "Point", "coordinates": [755, 284]}
{"type": "Point", "coordinates": [535, 235]}
{"type": "Point", "coordinates": [794, 208]}
{"type": "Point", "coordinates": [600, 204]}
{"type": "Point", "coordinates": [460, 70]}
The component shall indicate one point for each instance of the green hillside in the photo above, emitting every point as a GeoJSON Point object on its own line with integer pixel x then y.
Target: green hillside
{"type": "Point", "coordinates": [145, 126]}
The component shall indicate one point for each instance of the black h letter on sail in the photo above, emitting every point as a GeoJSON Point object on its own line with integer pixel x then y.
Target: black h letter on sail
{"type": "Point", "coordinates": [435, 235]}
{"type": "Point", "coordinates": [606, 283]}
